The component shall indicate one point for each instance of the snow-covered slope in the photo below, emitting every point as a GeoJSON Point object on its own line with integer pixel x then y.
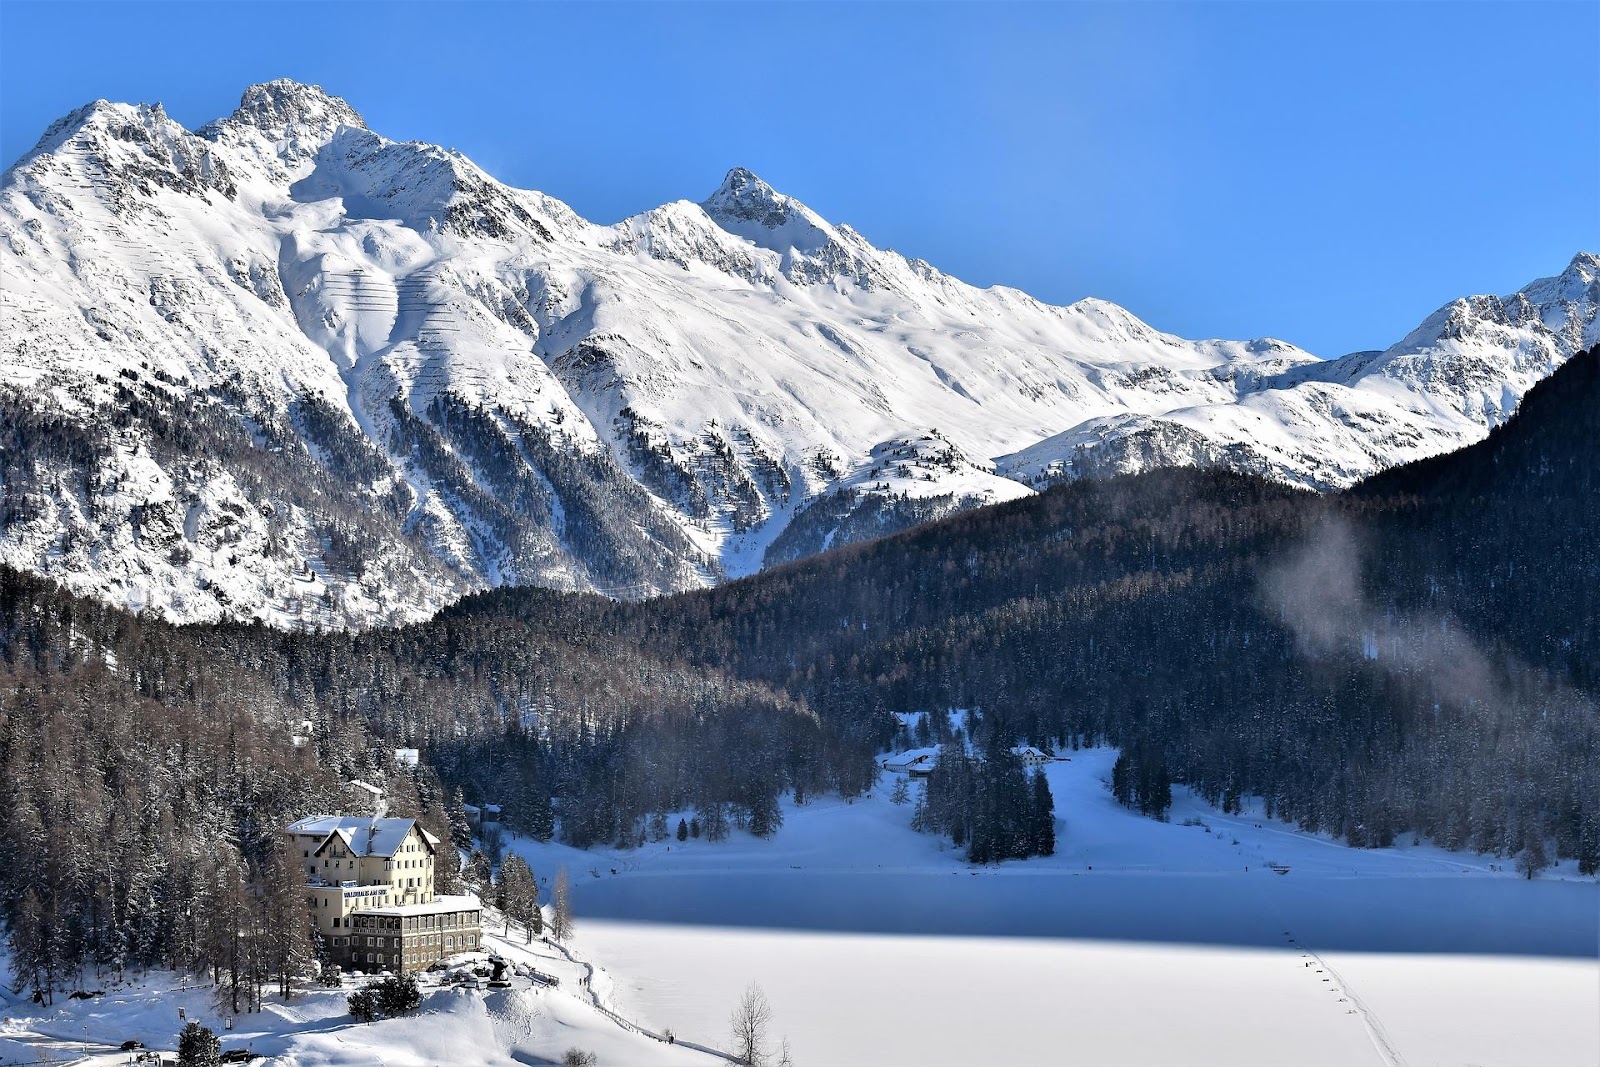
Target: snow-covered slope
{"type": "Point", "coordinates": [283, 367]}
{"type": "Point", "coordinates": [1329, 424]}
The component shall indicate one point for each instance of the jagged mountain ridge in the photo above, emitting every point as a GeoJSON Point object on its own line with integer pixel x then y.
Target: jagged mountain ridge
{"type": "Point", "coordinates": [283, 367]}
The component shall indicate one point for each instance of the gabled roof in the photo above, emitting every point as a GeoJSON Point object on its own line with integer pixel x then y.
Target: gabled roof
{"type": "Point", "coordinates": [362, 836]}
{"type": "Point", "coordinates": [914, 758]}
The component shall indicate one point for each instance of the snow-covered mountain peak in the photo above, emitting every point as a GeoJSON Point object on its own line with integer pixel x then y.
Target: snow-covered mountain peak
{"type": "Point", "coordinates": [683, 234]}
{"type": "Point", "coordinates": [813, 250]}
{"type": "Point", "coordinates": [95, 124]}
{"type": "Point", "coordinates": [1579, 283]}
{"type": "Point", "coordinates": [1328, 423]}
{"type": "Point", "coordinates": [424, 186]}
{"type": "Point", "coordinates": [285, 109]}
{"type": "Point", "coordinates": [747, 206]}
{"type": "Point", "coordinates": [1113, 321]}
{"type": "Point", "coordinates": [744, 197]}
{"type": "Point", "coordinates": [122, 153]}
{"type": "Point", "coordinates": [1565, 305]}
{"type": "Point", "coordinates": [285, 123]}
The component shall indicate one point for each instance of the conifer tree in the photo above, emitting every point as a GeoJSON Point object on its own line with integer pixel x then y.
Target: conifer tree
{"type": "Point", "coordinates": [198, 1046]}
{"type": "Point", "coordinates": [1043, 841]}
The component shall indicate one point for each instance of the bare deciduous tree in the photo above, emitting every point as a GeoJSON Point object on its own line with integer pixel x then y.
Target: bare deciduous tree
{"type": "Point", "coordinates": [561, 907]}
{"type": "Point", "coordinates": [750, 1021]}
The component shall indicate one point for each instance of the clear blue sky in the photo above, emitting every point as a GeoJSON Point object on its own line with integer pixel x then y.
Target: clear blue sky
{"type": "Point", "coordinates": [1325, 173]}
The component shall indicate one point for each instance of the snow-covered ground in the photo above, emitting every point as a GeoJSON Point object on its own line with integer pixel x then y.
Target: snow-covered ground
{"type": "Point", "coordinates": [1138, 942]}
{"type": "Point", "coordinates": [454, 1027]}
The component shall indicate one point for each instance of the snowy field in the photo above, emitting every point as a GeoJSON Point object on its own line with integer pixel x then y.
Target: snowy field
{"type": "Point", "coordinates": [1139, 942]}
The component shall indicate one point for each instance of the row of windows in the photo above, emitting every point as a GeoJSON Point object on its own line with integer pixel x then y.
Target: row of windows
{"type": "Point", "coordinates": [450, 945]}
{"type": "Point", "coordinates": [363, 922]}
{"type": "Point", "coordinates": [446, 921]}
{"type": "Point", "coordinates": [311, 868]}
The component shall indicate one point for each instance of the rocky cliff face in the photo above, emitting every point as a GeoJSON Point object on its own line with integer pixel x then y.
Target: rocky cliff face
{"type": "Point", "coordinates": [285, 368]}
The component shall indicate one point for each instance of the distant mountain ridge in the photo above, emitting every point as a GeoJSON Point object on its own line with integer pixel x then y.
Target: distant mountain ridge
{"type": "Point", "coordinates": [285, 368]}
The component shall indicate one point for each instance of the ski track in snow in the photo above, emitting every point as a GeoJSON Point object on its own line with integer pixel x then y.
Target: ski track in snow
{"type": "Point", "coordinates": [1375, 1031]}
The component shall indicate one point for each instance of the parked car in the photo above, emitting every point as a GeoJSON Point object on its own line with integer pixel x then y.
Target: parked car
{"type": "Point", "coordinates": [237, 1055]}
{"type": "Point", "coordinates": [130, 1045]}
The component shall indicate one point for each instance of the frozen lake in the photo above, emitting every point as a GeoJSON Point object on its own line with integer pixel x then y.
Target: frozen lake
{"type": "Point", "coordinates": [1423, 914]}
{"type": "Point", "coordinates": [1139, 942]}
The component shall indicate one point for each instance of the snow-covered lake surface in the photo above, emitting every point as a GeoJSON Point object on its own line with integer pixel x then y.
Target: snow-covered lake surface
{"type": "Point", "coordinates": [1139, 942]}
